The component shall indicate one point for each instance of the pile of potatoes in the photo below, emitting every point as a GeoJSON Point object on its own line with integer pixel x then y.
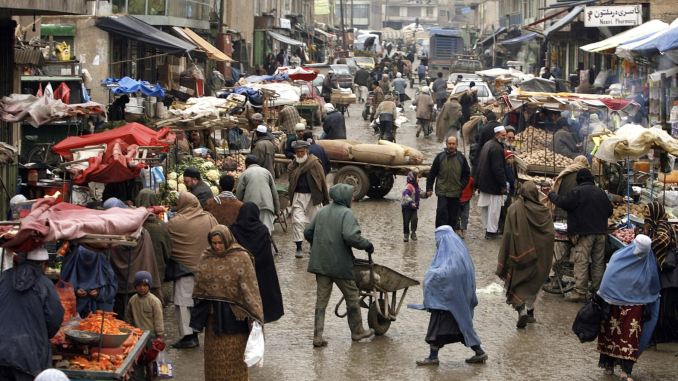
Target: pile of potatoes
{"type": "Point", "coordinates": [533, 138]}
{"type": "Point", "coordinates": [621, 210]}
{"type": "Point", "coordinates": [546, 158]}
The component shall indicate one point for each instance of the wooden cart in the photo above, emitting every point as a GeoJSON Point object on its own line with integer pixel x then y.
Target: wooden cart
{"type": "Point", "coordinates": [307, 112]}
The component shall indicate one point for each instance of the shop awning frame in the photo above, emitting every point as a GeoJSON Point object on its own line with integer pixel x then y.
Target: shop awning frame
{"type": "Point", "coordinates": [558, 25]}
{"type": "Point", "coordinates": [330, 36]}
{"type": "Point", "coordinates": [493, 35]}
{"type": "Point", "coordinates": [135, 29]}
{"type": "Point", "coordinates": [284, 39]}
{"type": "Point", "coordinates": [211, 51]}
{"type": "Point", "coordinates": [520, 39]}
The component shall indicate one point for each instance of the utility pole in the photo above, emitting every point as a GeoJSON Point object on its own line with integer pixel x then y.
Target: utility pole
{"type": "Point", "coordinates": [343, 29]}
{"type": "Point", "coordinates": [221, 17]}
{"type": "Point", "coordinates": [352, 9]}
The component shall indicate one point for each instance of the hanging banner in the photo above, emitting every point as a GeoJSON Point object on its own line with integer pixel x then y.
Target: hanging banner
{"type": "Point", "coordinates": [622, 15]}
{"type": "Point", "coordinates": [322, 7]}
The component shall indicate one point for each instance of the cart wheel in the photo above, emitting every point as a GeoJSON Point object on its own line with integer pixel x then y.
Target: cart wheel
{"type": "Point", "coordinates": [379, 187]}
{"type": "Point", "coordinates": [356, 177]}
{"type": "Point", "coordinates": [377, 322]}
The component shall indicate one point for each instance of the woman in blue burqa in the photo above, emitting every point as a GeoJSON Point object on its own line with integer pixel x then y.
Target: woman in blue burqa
{"type": "Point", "coordinates": [92, 279]}
{"type": "Point", "coordinates": [630, 290]}
{"type": "Point", "coordinates": [450, 297]}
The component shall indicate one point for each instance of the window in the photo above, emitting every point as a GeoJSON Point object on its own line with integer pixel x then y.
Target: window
{"type": "Point", "coordinates": [119, 6]}
{"type": "Point", "coordinates": [136, 7]}
{"type": "Point", "coordinates": [429, 12]}
{"type": "Point", "coordinates": [413, 12]}
{"type": "Point", "coordinates": [156, 7]}
{"type": "Point", "coordinates": [361, 11]}
{"type": "Point", "coordinates": [529, 8]}
{"type": "Point", "coordinates": [393, 11]}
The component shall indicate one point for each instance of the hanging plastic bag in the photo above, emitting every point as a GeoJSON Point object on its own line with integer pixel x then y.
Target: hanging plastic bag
{"type": "Point", "coordinates": [162, 367]}
{"type": "Point", "coordinates": [254, 351]}
{"type": "Point", "coordinates": [68, 301]}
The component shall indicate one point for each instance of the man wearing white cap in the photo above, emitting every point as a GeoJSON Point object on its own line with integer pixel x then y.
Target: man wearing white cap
{"type": "Point", "coordinates": [334, 126]}
{"type": "Point", "coordinates": [264, 149]}
{"type": "Point", "coordinates": [491, 180]}
{"type": "Point", "coordinates": [307, 190]}
{"type": "Point", "coordinates": [299, 130]}
{"type": "Point", "coordinates": [30, 315]}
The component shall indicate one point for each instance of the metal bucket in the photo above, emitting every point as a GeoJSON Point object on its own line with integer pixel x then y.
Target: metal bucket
{"type": "Point", "coordinates": [150, 109]}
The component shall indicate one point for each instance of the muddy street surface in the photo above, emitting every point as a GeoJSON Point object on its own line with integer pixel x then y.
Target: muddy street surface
{"type": "Point", "coordinates": [546, 350]}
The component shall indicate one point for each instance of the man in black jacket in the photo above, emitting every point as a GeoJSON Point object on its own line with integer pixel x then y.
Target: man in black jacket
{"type": "Point", "coordinates": [588, 209]}
{"type": "Point", "coordinates": [491, 181]}
{"type": "Point", "coordinates": [483, 136]}
{"type": "Point", "coordinates": [361, 79]}
{"type": "Point", "coordinates": [334, 126]}
{"type": "Point", "coordinates": [450, 173]}
{"type": "Point", "coordinates": [318, 151]}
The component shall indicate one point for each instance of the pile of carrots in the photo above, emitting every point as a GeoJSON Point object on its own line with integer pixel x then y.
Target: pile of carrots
{"type": "Point", "coordinates": [107, 363]}
{"type": "Point", "coordinates": [92, 323]}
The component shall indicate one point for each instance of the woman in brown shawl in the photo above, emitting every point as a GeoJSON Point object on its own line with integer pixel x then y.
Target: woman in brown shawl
{"type": "Point", "coordinates": [657, 227]}
{"type": "Point", "coordinates": [227, 304]}
{"type": "Point", "coordinates": [526, 252]}
{"type": "Point", "coordinates": [157, 229]}
{"type": "Point", "coordinates": [450, 119]}
{"type": "Point", "coordinates": [188, 242]}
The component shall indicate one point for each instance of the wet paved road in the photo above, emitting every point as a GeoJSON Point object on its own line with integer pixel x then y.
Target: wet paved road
{"type": "Point", "coordinates": [546, 350]}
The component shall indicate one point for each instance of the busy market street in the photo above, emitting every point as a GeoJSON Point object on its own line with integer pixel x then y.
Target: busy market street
{"type": "Point", "coordinates": [546, 350]}
{"type": "Point", "coordinates": [234, 190]}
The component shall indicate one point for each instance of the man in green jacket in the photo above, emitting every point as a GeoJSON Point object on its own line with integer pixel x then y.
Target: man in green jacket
{"type": "Point", "coordinates": [333, 232]}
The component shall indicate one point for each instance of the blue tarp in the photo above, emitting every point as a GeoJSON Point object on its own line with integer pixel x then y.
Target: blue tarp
{"type": "Point", "coordinates": [668, 40]}
{"type": "Point", "coordinates": [127, 85]}
{"type": "Point", "coordinates": [520, 40]}
{"type": "Point", "coordinates": [252, 95]}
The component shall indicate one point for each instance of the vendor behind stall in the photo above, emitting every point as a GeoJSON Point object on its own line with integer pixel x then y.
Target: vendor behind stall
{"type": "Point", "coordinates": [563, 143]}
{"type": "Point", "coordinates": [92, 279]}
{"type": "Point", "coordinates": [30, 314]}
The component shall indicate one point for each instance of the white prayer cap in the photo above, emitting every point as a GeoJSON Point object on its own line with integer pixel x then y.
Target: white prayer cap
{"type": "Point", "coordinates": [299, 127]}
{"type": "Point", "coordinates": [257, 116]}
{"type": "Point", "coordinates": [52, 375]}
{"type": "Point", "coordinates": [328, 107]}
{"type": "Point", "coordinates": [474, 89]}
{"type": "Point", "coordinates": [399, 75]}
{"type": "Point", "coordinates": [385, 76]}
{"type": "Point", "coordinates": [643, 245]}
{"type": "Point", "coordinates": [38, 254]}
{"type": "Point", "coordinates": [499, 129]}
{"type": "Point", "coordinates": [426, 89]}
{"type": "Point", "coordinates": [262, 129]}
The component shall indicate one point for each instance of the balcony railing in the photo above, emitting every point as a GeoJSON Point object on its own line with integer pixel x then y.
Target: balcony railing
{"type": "Point", "coordinates": [516, 18]}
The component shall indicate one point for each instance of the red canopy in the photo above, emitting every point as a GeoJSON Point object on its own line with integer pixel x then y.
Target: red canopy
{"type": "Point", "coordinates": [111, 166]}
{"type": "Point", "coordinates": [133, 133]}
{"type": "Point", "coordinates": [297, 74]}
{"type": "Point", "coordinates": [619, 104]}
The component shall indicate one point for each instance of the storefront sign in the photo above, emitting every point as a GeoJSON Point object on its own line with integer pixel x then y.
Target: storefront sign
{"type": "Point", "coordinates": [285, 23]}
{"type": "Point", "coordinates": [626, 15]}
{"type": "Point", "coordinates": [322, 7]}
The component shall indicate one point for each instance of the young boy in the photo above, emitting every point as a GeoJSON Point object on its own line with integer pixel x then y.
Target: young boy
{"type": "Point", "coordinates": [144, 311]}
{"type": "Point", "coordinates": [410, 205]}
{"type": "Point", "coordinates": [465, 206]}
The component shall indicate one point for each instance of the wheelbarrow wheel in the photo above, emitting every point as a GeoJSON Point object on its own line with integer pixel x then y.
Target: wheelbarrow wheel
{"type": "Point", "coordinates": [376, 321]}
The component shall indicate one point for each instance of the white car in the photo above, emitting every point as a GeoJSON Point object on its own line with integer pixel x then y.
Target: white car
{"type": "Point", "coordinates": [484, 92]}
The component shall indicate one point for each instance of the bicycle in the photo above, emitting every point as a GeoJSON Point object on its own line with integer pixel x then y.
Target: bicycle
{"type": "Point", "coordinates": [42, 153]}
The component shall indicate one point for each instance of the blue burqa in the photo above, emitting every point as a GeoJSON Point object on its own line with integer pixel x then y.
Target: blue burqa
{"type": "Point", "coordinates": [632, 279]}
{"type": "Point", "coordinates": [88, 270]}
{"type": "Point", "coordinates": [450, 283]}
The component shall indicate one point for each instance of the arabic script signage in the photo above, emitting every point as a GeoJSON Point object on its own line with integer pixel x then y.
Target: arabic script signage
{"type": "Point", "coordinates": [626, 15]}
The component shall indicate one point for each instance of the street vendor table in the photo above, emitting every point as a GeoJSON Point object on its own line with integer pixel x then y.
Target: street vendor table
{"type": "Point", "coordinates": [307, 112]}
{"type": "Point", "coordinates": [120, 373]}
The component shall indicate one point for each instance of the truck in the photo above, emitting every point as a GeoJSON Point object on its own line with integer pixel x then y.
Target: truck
{"type": "Point", "coordinates": [443, 46]}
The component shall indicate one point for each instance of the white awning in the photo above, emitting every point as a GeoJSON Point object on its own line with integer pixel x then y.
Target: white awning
{"type": "Point", "coordinates": [324, 33]}
{"type": "Point", "coordinates": [657, 75]}
{"type": "Point", "coordinates": [283, 39]}
{"type": "Point", "coordinates": [649, 27]}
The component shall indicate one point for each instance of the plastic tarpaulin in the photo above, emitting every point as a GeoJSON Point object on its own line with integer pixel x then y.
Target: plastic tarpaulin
{"type": "Point", "coordinates": [520, 40]}
{"type": "Point", "coordinates": [127, 85]}
{"type": "Point", "coordinates": [284, 40]}
{"type": "Point", "coordinates": [490, 39]}
{"type": "Point", "coordinates": [253, 96]}
{"type": "Point", "coordinates": [43, 110]}
{"type": "Point", "coordinates": [537, 84]}
{"type": "Point", "coordinates": [135, 29]}
{"type": "Point", "coordinates": [287, 94]}
{"type": "Point", "coordinates": [558, 25]}
{"type": "Point", "coordinates": [668, 41]}
{"type": "Point", "coordinates": [133, 133]}
{"type": "Point", "coordinates": [49, 221]}
{"type": "Point", "coordinates": [267, 78]}
{"type": "Point", "coordinates": [113, 165]}
{"type": "Point", "coordinates": [640, 140]}
{"type": "Point", "coordinates": [296, 73]}
{"type": "Point", "coordinates": [645, 29]}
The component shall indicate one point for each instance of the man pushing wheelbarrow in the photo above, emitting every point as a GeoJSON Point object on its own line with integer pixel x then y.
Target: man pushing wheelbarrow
{"type": "Point", "coordinates": [333, 232]}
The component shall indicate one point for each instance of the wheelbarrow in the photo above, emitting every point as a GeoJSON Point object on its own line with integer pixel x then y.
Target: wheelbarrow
{"type": "Point", "coordinates": [379, 285]}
